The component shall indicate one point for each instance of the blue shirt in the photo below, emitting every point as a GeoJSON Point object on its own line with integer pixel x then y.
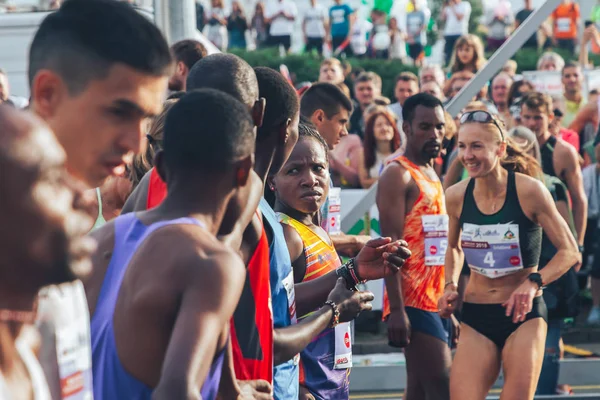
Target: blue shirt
{"type": "Point", "coordinates": [339, 17]}
{"type": "Point", "coordinates": [286, 375]}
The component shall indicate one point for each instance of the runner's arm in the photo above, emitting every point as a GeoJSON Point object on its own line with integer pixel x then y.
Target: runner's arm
{"type": "Point", "coordinates": [391, 202]}
{"type": "Point", "coordinates": [138, 199]}
{"type": "Point", "coordinates": [538, 202]}
{"type": "Point", "coordinates": [574, 180]}
{"type": "Point", "coordinates": [292, 339]}
{"type": "Point", "coordinates": [207, 304]}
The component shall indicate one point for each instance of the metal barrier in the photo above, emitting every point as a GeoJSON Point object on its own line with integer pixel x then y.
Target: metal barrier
{"type": "Point", "coordinates": [575, 372]}
{"type": "Point", "coordinates": [494, 64]}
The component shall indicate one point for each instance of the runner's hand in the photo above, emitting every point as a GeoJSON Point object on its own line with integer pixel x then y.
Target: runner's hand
{"type": "Point", "coordinates": [447, 303]}
{"type": "Point", "coordinates": [398, 329]}
{"type": "Point", "coordinates": [255, 390]}
{"type": "Point", "coordinates": [352, 245]}
{"type": "Point", "coordinates": [350, 303]}
{"type": "Point", "coordinates": [520, 301]}
{"type": "Point", "coordinates": [380, 258]}
{"type": "Point", "coordinates": [455, 330]}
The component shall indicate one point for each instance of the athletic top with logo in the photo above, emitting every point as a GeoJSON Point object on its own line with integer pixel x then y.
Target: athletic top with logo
{"type": "Point", "coordinates": [426, 232]}
{"type": "Point", "coordinates": [565, 21]}
{"type": "Point", "coordinates": [286, 375]}
{"type": "Point", "coordinates": [325, 363]}
{"type": "Point", "coordinates": [252, 321]}
{"type": "Point", "coordinates": [111, 380]}
{"type": "Point", "coordinates": [502, 243]}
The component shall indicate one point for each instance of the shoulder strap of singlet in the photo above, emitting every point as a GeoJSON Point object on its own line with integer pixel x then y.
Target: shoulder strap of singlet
{"type": "Point", "coordinates": [551, 143]}
{"type": "Point", "coordinates": [99, 196]}
{"type": "Point", "coordinates": [468, 200]}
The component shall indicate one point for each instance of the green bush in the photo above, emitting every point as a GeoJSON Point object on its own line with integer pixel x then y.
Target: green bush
{"type": "Point", "coordinates": [306, 66]}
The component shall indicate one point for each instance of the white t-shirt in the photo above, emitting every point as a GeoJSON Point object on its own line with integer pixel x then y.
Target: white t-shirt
{"type": "Point", "coordinates": [359, 39]}
{"type": "Point", "coordinates": [454, 27]}
{"type": "Point", "coordinates": [315, 18]}
{"type": "Point", "coordinates": [281, 26]}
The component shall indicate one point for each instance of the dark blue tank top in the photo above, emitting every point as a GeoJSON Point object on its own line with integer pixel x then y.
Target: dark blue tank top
{"type": "Point", "coordinates": [111, 381]}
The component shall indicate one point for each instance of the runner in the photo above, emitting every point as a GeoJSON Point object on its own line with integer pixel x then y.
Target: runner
{"type": "Point", "coordinates": [301, 189]}
{"type": "Point", "coordinates": [411, 204]}
{"type": "Point", "coordinates": [559, 159]}
{"type": "Point", "coordinates": [495, 216]}
{"type": "Point", "coordinates": [42, 242]}
{"type": "Point", "coordinates": [95, 91]}
{"type": "Point", "coordinates": [170, 285]}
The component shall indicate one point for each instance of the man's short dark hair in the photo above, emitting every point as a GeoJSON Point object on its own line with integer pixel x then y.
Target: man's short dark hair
{"type": "Point", "coordinates": [85, 38]}
{"type": "Point", "coordinates": [570, 64]}
{"type": "Point", "coordinates": [207, 130]}
{"type": "Point", "coordinates": [189, 52]}
{"type": "Point", "coordinates": [407, 76]}
{"type": "Point", "coordinates": [227, 73]}
{"type": "Point", "coordinates": [326, 97]}
{"type": "Point", "coordinates": [419, 99]}
{"type": "Point", "coordinates": [282, 100]}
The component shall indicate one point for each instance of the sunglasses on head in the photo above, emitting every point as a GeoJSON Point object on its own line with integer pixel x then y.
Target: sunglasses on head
{"type": "Point", "coordinates": [482, 117]}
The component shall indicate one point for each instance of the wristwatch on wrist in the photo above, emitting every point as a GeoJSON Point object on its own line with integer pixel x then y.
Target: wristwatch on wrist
{"type": "Point", "coordinates": [537, 279]}
{"type": "Point", "coordinates": [335, 319]}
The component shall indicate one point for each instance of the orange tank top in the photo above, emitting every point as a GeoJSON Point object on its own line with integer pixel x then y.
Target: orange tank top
{"type": "Point", "coordinates": [425, 231]}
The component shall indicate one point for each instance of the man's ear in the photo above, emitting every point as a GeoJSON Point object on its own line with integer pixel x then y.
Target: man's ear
{"type": "Point", "coordinates": [258, 111]}
{"type": "Point", "coordinates": [47, 90]}
{"type": "Point", "coordinates": [243, 169]}
{"type": "Point", "coordinates": [159, 164]}
{"type": "Point", "coordinates": [284, 134]}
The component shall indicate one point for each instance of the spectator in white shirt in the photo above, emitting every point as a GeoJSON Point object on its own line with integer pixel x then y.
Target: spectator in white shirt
{"type": "Point", "coordinates": [281, 14]}
{"type": "Point", "coordinates": [315, 27]}
{"type": "Point", "coordinates": [500, 20]}
{"type": "Point", "coordinates": [456, 14]}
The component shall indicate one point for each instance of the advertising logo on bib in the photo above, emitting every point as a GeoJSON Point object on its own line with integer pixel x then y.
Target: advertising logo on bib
{"type": "Point", "coordinates": [514, 260]}
{"type": "Point", "coordinates": [509, 235]}
{"type": "Point", "coordinates": [347, 340]}
{"type": "Point", "coordinates": [433, 250]}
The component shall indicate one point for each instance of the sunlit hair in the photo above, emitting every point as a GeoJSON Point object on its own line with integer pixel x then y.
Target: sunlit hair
{"type": "Point", "coordinates": [515, 158]}
{"type": "Point", "coordinates": [551, 56]}
{"type": "Point", "coordinates": [144, 161]}
{"type": "Point", "coordinates": [539, 102]}
{"type": "Point", "coordinates": [370, 143]}
{"type": "Point", "coordinates": [530, 139]}
{"type": "Point", "coordinates": [478, 61]}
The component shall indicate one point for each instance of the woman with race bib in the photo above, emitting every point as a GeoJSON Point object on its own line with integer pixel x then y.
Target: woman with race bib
{"type": "Point", "coordinates": [495, 220]}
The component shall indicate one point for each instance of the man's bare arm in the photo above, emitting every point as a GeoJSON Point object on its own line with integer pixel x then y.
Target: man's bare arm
{"type": "Point", "coordinates": [207, 304]}
{"type": "Point", "coordinates": [574, 179]}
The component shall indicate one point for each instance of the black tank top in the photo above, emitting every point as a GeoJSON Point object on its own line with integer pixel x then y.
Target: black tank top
{"type": "Point", "coordinates": [547, 151]}
{"type": "Point", "coordinates": [530, 234]}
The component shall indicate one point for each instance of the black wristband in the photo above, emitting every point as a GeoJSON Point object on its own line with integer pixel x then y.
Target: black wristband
{"type": "Point", "coordinates": [344, 272]}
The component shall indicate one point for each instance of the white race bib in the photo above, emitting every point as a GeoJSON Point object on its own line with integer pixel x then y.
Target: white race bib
{"type": "Point", "coordinates": [563, 24]}
{"type": "Point", "coordinates": [435, 229]}
{"type": "Point", "coordinates": [334, 220]}
{"type": "Point", "coordinates": [343, 346]}
{"type": "Point", "coordinates": [492, 250]}
{"type": "Point", "coordinates": [288, 284]}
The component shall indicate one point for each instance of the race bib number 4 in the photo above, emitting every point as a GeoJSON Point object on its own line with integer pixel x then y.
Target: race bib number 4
{"type": "Point", "coordinates": [435, 229]}
{"type": "Point", "coordinates": [492, 250]}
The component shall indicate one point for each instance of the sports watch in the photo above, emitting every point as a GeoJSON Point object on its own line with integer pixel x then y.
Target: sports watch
{"type": "Point", "coordinates": [536, 278]}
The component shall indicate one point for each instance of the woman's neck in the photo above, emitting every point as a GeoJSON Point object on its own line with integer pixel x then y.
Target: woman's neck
{"type": "Point", "coordinates": [493, 183]}
{"type": "Point", "coordinates": [306, 218]}
{"type": "Point", "coordinates": [383, 147]}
